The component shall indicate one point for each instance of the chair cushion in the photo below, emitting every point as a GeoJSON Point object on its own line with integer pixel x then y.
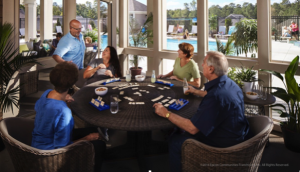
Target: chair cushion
{"type": "Point", "coordinates": [23, 47]}
{"type": "Point", "coordinates": [46, 46]}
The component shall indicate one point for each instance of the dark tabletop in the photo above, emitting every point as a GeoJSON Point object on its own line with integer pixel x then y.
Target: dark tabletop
{"type": "Point", "coordinates": [132, 117]}
{"type": "Point", "coordinates": [259, 102]}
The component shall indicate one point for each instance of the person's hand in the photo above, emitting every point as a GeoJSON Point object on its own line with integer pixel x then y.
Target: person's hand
{"type": "Point", "coordinates": [174, 77]}
{"type": "Point", "coordinates": [191, 90]}
{"type": "Point", "coordinates": [69, 98]}
{"type": "Point", "coordinates": [92, 136]}
{"type": "Point", "coordinates": [101, 66]}
{"type": "Point", "coordinates": [108, 73]}
{"type": "Point", "coordinates": [160, 110]}
{"type": "Point", "coordinates": [160, 76]}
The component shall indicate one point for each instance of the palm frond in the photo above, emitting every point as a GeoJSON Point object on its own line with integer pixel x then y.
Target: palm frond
{"type": "Point", "coordinates": [11, 62]}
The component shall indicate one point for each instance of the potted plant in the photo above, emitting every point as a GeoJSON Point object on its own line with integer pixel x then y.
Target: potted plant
{"type": "Point", "coordinates": [274, 31]}
{"type": "Point", "coordinates": [291, 108]}
{"type": "Point", "coordinates": [11, 63]}
{"type": "Point", "coordinates": [247, 76]}
{"type": "Point", "coordinates": [232, 72]}
{"type": "Point", "coordinates": [139, 38]}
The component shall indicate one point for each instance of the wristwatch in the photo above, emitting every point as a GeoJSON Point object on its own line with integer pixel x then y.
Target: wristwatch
{"type": "Point", "coordinates": [168, 115]}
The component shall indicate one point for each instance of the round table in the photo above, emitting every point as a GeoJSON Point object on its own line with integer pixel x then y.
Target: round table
{"type": "Point", "coordinates": [132, 117]}
{"type": "Point", "coordinates": [257, 106]}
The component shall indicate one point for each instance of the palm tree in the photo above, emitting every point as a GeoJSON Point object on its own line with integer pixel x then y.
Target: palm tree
{"type": "Point", "coordinates": [226, 49]}
{"type": "Point", "coordinates": [11, 62]}
{"type": "Point", "coordinates": [245, 36]}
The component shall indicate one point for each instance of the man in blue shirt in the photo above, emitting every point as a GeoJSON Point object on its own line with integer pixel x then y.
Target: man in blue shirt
{"type": "Point", "coordinates": [219, 120]}
{"type": "Point", "coordinates": [71, 47]}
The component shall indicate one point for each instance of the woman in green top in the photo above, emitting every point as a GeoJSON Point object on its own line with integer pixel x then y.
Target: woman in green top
{"type": "Point", "coordinates": [185, 66]}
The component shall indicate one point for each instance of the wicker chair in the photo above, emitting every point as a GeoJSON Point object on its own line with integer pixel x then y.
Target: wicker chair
{"type": "Point", "coordinates": [17, 134]}
{"type": "Point", "coordinates": [245, 156]}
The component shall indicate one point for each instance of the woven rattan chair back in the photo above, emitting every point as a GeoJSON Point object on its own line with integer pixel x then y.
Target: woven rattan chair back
{"type": "Point", "coordinates": [245, 156]}
{"type": "Point", "coordinates": [17, 134]}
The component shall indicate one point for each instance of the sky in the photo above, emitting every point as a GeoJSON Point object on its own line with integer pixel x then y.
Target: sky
{"type": "Point", "coordinates": [177, 4]}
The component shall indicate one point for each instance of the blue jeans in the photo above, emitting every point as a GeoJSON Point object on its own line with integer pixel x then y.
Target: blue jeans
{"type": "Point", "coordinates": [175, 143]}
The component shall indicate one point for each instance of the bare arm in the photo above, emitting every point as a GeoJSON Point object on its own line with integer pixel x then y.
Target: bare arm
{"type": "Point", "coordinates": [196, 92]}
{"type": "Point", "coordinates": [167, 75]}
{"type": "Point", "coordinates": [57, 58]}
{"type": "Point", "coordinates": [195, 83]}
{"type": "Point", "coordinates": [179, 121]}
{"type": "Point", "coordinates": [90, 137]}
{"type": "Point", "coordinates": [89, 72]}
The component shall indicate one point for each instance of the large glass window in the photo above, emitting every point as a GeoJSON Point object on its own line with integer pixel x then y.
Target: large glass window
{"type": "Point", "coordinates": [86, 13]}
{"type": "Point", "coordinates": [140, 26]}
{"type": "Point", "coordinates": [181, 23]}
{"type": "Point", "coordinates": [233, 27]}
{"type": "Point", "coordinates": [284, 29]}
{"type": "Point", "coordinates": [167, 66]}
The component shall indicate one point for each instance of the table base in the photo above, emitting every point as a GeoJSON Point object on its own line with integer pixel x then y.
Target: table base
{"type": "Point", "coordinates": [138, 145]}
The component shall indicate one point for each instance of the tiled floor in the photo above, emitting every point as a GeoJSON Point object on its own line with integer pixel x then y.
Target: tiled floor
{"type": "Point", "coordinates": [274, 158]}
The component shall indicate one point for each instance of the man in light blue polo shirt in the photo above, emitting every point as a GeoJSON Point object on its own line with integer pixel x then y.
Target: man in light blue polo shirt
{"type": "Point", "coordinates": [71, 47]}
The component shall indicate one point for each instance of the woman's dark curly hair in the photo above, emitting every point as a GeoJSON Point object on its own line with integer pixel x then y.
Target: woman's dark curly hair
{"type": "Point", "coordinates": [64, 76]}
{"type": "Point", "coordinates": [187, 49]}
{"type": "Point", "coordinates": [114, 61]}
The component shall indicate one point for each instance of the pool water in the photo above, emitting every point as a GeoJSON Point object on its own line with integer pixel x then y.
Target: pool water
{"type": "Point", "coordinates": [172, 44]}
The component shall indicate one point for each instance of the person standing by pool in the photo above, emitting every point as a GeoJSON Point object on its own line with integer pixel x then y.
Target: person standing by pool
{"type": "Point", "coordinates": [185, 66]}
{"type": "Point", "coordinates": [295, 30]}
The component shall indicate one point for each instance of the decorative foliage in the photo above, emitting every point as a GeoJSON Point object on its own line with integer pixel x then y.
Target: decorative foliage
{"type": "Point", "coordinates": [227, 24]}
{"type": "Point", "coordinates": [140, 37]}
{"type": "Point", "coordinates": [290, 95]}
{"type": "Point", "coordinates": [232, 72]}
{"type": "Point", "coordinates": [246, 74]}
{"type": "Point", "coordinates": [213, 22]}
{"type": "Point", "coordinates": [11, 62]}
{"type": "Point", "coordinates": [93, 34]}
{"type": "Point", "coordinates": [245, 36]}
{"type": "Point", "coordinates": [227, 49]}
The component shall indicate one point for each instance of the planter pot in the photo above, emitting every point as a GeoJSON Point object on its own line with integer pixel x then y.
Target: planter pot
{"type": "Point", "coordinates": [291, 139]}
{"type": "Point", "coordinates": [247, 86]}
{"type": "Point", "coordinates": [135, 71]}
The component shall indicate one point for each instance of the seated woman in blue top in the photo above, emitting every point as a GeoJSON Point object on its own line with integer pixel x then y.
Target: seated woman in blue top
{"type": "Point", "coordinates": [54, 43]}
{"type": "Point", "coordinates": [109, 63]}
{"type": "Point", "coordinates": [53, 125]}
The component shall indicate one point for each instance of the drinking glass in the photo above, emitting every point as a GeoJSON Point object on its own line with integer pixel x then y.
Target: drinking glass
{"type": "Point", "coordinates": [128, 76]}
{"type": "Point", "coordinates": [264, 94]}
{"type": "Point", "coordinates": [114, 103]}
{"type": "Point", "coordinates": [260, 90]}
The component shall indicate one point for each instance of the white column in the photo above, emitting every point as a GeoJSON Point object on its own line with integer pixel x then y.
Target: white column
{"type": "Point", "coordinates": [30, 19]}
{"type": "Point", "coordinates": [46, 19]}
{"type": "Point", "coordinates": [115, 24]}
{"type": "Point", "coordinates": [69, 14]}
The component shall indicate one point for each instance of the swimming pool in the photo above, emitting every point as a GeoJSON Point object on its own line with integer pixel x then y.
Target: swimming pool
{"type": "Point", "coordinates": [172, 44]}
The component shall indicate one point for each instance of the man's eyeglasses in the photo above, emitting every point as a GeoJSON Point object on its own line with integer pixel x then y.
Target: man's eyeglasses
{"type": "Point", "coordinates": [78, 29]}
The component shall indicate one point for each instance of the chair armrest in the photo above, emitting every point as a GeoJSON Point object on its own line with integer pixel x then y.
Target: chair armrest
{"type": "Point", "coordinates": [197, 156]}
